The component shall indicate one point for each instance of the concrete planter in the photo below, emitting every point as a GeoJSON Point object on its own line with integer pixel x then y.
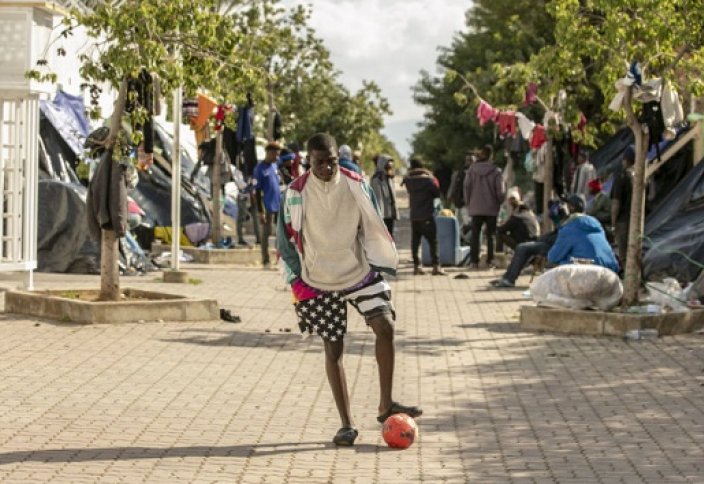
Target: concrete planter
{"type": "Point", "coordinates": [238, 256]}
{"type": "Point", "coordinates": [138, 306]}
{"type": "Point", "coordinates": [599, 323]}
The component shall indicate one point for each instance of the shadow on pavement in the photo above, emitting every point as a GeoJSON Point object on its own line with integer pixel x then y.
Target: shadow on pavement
{"type": "Point", "coordinates": [292, 342]}
{"type": "Point", "coordinates": [140, 453]}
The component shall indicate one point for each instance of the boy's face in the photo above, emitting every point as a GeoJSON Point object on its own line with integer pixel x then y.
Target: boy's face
{"type": "Point", "coordinates": [323, 164]}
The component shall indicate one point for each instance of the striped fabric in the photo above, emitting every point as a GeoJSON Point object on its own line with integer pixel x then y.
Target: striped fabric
{"type": "Point", "coordinates": [326, 314]}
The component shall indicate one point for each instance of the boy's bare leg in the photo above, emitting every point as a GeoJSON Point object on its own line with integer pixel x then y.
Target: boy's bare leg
{"type": "Point", "coordinates": [338, 380]}
{"type": "Point", "coordinates": [385, 358]}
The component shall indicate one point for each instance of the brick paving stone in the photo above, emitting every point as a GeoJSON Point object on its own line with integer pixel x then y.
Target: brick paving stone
{"type": "Point", "coordinates": [222, 402]}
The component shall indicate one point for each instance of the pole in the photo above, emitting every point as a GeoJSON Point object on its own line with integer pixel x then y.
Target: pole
{"type": "Point", "coordinates": [176, 183]}
{"type": "Point", "coordinates": [215, 175]}
{"type": "Point", "coordinates": [547, 187]}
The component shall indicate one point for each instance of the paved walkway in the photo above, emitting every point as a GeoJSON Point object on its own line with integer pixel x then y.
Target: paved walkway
{"type": "Point", "coordinates": [249, 402]}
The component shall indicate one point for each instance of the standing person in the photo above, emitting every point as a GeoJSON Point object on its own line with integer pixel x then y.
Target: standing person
{"type": "Point", "coordinates": [484, 192]}
{"type": "Point", "coordinates": [456, 190]}
{"type": "Point", "coordinates": [244, 206]}
{"type": "Point", "coordinates": [621, 193]}
{"type": "Point", "coordinates": [286, 172]}
{"type": "Point", "coordinates": [583, 174]}
{"type": "Point", "coordinates": [423, 188]}
{"type": "Point", "coordinates": [334, 246]}
{"type": "Point", "coordinates": [346, 159]}
{"type": "Point", "coordinates": [267, 185]}
{"type": "Point", "coordinates": [385, 190]}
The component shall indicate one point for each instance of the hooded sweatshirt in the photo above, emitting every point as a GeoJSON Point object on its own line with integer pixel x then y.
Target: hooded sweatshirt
{"type": "Point", "coordinates": [484, 189]}
{"type": "Point", "coordinates": [582, 237]}
{"type": "Point", "coordinates": [423, 188]}
{"type": "Point", "coordinates": [384, 189]}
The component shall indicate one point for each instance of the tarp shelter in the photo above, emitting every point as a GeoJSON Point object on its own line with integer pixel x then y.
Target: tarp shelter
{"type": "Point", "coordinates": [674, 231]}
{"type": "Point", "coordinates": [64, 244]}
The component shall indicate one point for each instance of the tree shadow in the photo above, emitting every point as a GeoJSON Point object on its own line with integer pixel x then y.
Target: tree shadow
{"type": "Point", "coordinates": [141, 453]}
{"type": "Point", "coordinates": [292, 341]}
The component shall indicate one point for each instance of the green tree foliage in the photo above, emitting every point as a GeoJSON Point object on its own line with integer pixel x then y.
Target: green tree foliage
{"type": "Point", "coordinates": [499, 33]}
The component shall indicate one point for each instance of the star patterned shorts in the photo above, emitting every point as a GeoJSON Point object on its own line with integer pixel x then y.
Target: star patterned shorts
{"type": "Point", "coordinates": [326, 314]}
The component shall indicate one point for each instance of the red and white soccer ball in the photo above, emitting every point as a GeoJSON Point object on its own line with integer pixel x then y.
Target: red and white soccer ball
{"type": "Point", "coordinates": [399, 431]}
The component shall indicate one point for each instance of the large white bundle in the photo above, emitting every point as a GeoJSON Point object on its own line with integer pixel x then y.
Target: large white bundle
{"type": "Point", "coordinates": [578, 286]}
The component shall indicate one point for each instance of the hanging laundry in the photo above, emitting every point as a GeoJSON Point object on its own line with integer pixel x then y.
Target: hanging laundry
{"type": "Point", "coordinates": [621, 86]}
{"type": "Point", "coordinates": [525, 125]}
{"type": "Point", "coordinates": [672, 112]}
{"type": "Point", "coordinates": [531, 94]}
{"type": "Point", "coordinates": [507, 124]}
{"type": "Point", "coordinates": [582, 123]}
{"type": "Point", "coordinates": [278, 127]}
{"type": "Point", "coordinates": [538, 138]}
{"type": "Point", "coordinates": [189, 108]}
{"type": "Point", "coordinates": [245, 121]}
{"type": "Point", "coordinates": [486, 113]}
{"type": "Point", "coordinates": [199, 124]}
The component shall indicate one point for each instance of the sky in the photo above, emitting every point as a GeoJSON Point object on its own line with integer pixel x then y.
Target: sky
{"type": "Point", "coordinates": [389, 42]}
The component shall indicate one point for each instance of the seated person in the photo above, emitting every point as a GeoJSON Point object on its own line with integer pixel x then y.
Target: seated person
{"type": "Point", "coordinates": [581, 236]}
{"type": "Point", "coordinates": [521, 226]}
{"type": "Point", "coordinates": [527, 251]}
{"type": "Point", "coordinates": [599, 203]}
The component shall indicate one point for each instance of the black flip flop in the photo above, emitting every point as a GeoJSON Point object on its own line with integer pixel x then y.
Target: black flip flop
{"type": "Point", "coordinates": [345, 436]}
{"type": "Point", "coordinates": [226, 315]}
{"type": "Point", "coordinates": [396, 407]}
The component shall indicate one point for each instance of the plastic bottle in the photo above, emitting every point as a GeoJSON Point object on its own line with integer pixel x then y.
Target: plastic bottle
{"type": "Point", "coordinates": [641, 334]}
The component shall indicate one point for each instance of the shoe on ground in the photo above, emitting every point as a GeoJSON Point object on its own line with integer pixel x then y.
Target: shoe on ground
{"type": "Point", "coordinates": [474, 265]}
{"type": "Point", "coordinates": [417, 271]}
{"type": "Point", "coordinates": [503, 283]}
{"type": "Point", "coordinates": [345, 436]}
{"type": "Point", "coordinates": [494, 282]}
{"type": "Point", "coordinates": [437, 271]}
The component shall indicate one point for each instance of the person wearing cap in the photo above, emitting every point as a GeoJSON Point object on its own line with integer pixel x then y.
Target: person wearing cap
{"type": "Point", "coordinates": [346, 160]}
{"type": "Point", "coordinates": [583, 174]}
{"type": "Point", "coordinates": [521, 226]}
{"type": "Point", "coordinates": [484, 192]}
{"type": "Point", "coordinates": [581, 236]}
{"type": "Point", "coordinates": [285, 163]}
{"type": "Point", "coordinates": [266, 176]}
{"type": "Point", "coordinates": [598, 203]}
{"type": "Point", "coordinates": [621, 193]}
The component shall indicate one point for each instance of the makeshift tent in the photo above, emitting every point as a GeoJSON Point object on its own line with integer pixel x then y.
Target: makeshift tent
{"type": "Point", "coordinates": [64, 245]}
{"type": "Point", "coordinates": [675, 229]}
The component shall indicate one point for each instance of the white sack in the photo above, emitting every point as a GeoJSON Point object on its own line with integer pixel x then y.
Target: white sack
{"type": "Point", "coordinates": [578, 286]}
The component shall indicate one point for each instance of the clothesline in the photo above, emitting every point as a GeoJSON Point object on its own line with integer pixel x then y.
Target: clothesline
{"type": "Point", "coordinates": [509, 120]}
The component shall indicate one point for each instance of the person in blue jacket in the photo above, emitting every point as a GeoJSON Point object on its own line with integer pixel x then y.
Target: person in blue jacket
{"type": "Point", "coordinates": [581, 236]}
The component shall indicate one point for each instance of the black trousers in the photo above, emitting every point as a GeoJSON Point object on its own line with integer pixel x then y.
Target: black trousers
{"type": "Point", "coordinates": [424, 228]}
{"type": "Point", "coordinates": [475, 245]}
{"type": "Point", "coordinates": [390, 225]}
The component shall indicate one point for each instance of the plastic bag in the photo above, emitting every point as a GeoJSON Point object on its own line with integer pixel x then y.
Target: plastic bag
{"type": "Point", "coordinates": [578, 286]}
{"type": "Point", "coordinates": [668, 293]}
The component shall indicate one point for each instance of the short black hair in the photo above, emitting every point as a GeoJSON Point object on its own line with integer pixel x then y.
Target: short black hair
{"type": "Point", "coordinates": [416, 163]}
{"type": "Point", "coordinates": [488, 151]}
{"type": "Point", "coordinates": [321, 142]}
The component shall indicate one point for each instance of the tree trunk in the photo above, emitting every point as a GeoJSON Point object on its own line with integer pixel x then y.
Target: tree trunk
{"type": "Point", "coordinates": [109, 253]}
{"type": "Point", "coordinates": [109, 269]}
{"type": "Point", "coordinates": [547, 188]}
{"type": "Point", "coordinates": [215, 175]}
{"type": "Point", "coordinates": [635, 229]}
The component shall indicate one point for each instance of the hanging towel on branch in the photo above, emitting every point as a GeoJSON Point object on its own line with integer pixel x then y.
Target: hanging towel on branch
{"type": "Point", "coordinates": [486, 113]}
